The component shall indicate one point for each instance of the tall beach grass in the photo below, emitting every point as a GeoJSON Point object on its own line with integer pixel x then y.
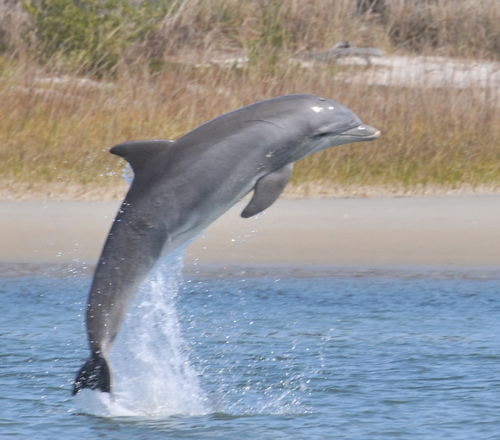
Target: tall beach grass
{"type": "Point", "coordinates": [57, 121]}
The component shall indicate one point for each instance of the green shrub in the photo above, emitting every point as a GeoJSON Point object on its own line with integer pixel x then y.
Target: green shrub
{"type": "Point", "coordinates": [88, 34]}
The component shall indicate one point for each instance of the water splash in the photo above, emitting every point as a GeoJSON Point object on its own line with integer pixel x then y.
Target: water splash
{"type": "Point", "coordinates": [152, 373]}
{"type": "Point", "coordinates": [128, 174]}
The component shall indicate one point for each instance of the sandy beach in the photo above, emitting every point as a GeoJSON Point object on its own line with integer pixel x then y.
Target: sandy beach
{"type": "Point", "coordinates": [449, 232]}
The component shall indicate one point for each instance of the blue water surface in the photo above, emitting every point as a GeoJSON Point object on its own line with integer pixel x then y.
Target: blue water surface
{"type": "Point", "coordinates": [350, 355]}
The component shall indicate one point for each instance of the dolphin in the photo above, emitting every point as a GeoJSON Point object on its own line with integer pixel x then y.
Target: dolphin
{"type": "Point", "coordinates": [182, 186]}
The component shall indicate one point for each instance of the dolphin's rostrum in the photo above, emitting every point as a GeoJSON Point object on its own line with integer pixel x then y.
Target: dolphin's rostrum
{"type": "Point", "coordinates": [182, 186]}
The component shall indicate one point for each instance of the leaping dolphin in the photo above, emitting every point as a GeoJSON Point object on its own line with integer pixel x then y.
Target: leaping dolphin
{"type": "Point", "coordinates": [182, 186]}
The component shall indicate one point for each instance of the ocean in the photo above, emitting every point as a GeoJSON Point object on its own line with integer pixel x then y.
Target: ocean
{"type": "Point", "coordinates": [265, 353]}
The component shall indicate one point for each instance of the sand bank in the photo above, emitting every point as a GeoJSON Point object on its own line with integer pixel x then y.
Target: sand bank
{"type": "Point", "coordinates": [432, 231]}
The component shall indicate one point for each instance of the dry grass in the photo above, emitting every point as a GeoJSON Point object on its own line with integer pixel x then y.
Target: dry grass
{"type": "Point", "coordinates": [55, 134]}
{"type": "Point", "coordinates": [464, 28]}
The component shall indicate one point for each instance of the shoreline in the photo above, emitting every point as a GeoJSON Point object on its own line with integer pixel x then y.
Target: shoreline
{"type": "Point", "coordinates": [431, 232]}
{"type": "Point", "coordinates": [65, 192]}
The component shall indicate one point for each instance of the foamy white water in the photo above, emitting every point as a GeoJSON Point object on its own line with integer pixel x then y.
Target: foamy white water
{"type": "Point", "coordinates": [152, 375]}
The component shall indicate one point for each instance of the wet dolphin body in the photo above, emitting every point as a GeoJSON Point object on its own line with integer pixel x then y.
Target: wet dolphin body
{"type": "Point", "coordinates": [182, 186]}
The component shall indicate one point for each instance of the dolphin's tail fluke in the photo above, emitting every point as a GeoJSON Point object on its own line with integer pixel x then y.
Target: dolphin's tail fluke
{"type": "Point", "coordinates": [95, 374]}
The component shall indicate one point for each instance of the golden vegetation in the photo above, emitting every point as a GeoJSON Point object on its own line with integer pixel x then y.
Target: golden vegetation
{"type": "Point", "coordinates": [56, 126]}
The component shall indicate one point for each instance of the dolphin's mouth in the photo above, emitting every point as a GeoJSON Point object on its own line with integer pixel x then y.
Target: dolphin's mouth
{"type": "Point", "coordinates": [363, 132]}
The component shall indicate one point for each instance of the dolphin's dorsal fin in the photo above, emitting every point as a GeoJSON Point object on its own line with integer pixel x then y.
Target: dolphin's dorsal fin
{"type": "Point", "coordinates": [140, 153]}
{"type": "Point", "coordinates": [267, 190]}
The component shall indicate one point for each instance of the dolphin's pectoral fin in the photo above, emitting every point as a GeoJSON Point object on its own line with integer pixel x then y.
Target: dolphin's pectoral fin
{"type": "Point", "coordinates": [94, 374]}
{"type": "Point", "coordinates": [267, 190]}
{"type": "Point", "coordinates": [140, 153]}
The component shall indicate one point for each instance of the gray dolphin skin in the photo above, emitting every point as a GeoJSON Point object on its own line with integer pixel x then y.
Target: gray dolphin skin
{"type": "Point", "coordinates": [182, 186]}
